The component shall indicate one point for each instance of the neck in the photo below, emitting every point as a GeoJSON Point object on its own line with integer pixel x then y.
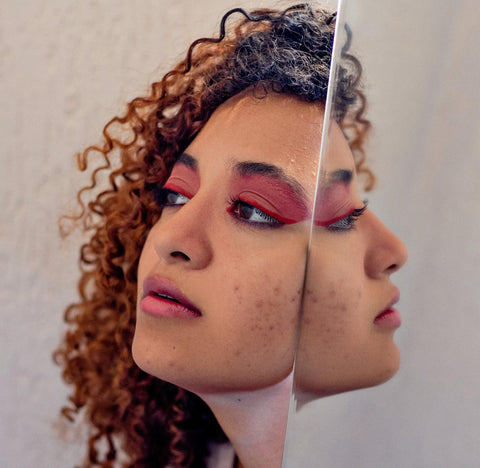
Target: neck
{"type": "Point", "coordinates": [254, 422]}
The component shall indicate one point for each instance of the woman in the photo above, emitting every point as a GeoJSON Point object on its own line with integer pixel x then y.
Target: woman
{"type": "Point", "coordinates": [198, 245]}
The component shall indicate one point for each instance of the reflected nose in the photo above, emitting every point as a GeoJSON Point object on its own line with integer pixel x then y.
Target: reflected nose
{"type": "Point", "coordinates": [386, 253]}
{"type": "Point", "coordinates": [181, 236]}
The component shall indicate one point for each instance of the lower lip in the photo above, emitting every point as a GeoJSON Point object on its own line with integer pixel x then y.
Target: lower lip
{"type": "Point", "coordinates": [389, 318]}
{"type": "Point", "coordinates": [161, 307]}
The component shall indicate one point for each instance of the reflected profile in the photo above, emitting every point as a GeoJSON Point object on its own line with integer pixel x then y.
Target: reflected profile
{"type": "Point", "coordinates": [348, 317]}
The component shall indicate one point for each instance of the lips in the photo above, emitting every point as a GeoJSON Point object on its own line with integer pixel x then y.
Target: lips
{"type": "Point", "coordinates": [162, 297]}
{"type": "Point", "coordinates": [389, 317]}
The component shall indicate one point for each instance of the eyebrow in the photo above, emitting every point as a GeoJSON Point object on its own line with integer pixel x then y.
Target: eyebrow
{"type": "Point", "coordinates": [248, 168]}
{"type": "Point", "coordinates": [187, 160]}
{"type": "Point", "coordinates": [340, 175]}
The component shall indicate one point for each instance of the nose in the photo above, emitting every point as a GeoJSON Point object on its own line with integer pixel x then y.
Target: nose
{"type": "Point", "coordinates": [386, 253]}
{"type": "Point", "coordinates": [181, 236]}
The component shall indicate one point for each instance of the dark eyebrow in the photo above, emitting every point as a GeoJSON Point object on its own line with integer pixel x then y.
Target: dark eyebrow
{"type": "Point", "coordinates": [247, 168]}
{"type": "Point", "coordinates": [341, 175]}
{"type": "Point", "coordinates": [188, 161]}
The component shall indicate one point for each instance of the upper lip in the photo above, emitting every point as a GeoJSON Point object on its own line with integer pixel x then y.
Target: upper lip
{"type": "Point", "coordinates": [160, 285]}
{"type": "Point", "coordinates": [394, 299]}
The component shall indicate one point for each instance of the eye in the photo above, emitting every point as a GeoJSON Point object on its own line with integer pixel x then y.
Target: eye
{"type": "Point", "coordinates": [165, 197]}
{"type": "Point", "coordinates": [348, 222]}
{"type": "Point", "coordinates": [247, 213]}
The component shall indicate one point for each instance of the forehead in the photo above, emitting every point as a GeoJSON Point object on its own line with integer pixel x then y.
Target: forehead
{"type": "Point", "coordinates": [277, 129]}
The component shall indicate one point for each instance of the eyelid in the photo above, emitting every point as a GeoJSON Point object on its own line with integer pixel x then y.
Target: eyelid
{"type": "Point", "coordinates": [173, 187]}
{"type": "Point", "coordinates": [261, 203]}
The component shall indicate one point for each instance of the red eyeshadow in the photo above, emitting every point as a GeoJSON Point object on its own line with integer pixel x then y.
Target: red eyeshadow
{"type": "Point", "coordinates": [274, 197]}
{"type": "Point", "coordinates": [183, 180]}
{"type": "Point", "coordinates": [333, 204]}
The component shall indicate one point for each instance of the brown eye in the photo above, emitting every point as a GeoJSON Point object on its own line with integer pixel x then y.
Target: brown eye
{"type": "Point", "coordinates": [252, 215]}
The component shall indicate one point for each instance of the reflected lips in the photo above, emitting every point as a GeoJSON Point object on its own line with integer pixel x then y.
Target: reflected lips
{"type": "Point", "coordinates": [162, 298]}
{"type": "Point", "coordinates": [389, 317]}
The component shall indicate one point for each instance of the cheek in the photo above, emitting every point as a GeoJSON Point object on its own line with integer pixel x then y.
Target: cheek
{"type": "Point", "coordinates": [331, 312]}
{"type": "Point", "coordinates": [265, 311]}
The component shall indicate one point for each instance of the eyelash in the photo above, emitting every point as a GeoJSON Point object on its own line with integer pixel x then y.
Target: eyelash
{"type": "Point", "coordinates": [160, 195]}
{"type": "Point", "coordinates": [347, 223]}
{"type": "Point", "coordinates": [270, 221]}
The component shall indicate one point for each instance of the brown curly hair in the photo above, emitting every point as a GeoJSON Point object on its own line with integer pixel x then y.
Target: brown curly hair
{"type": "Point", "coordinates": [156, 423]}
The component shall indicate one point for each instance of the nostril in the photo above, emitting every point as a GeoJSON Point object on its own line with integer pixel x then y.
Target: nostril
{"type": "Point", "coordinates": [180, 255]}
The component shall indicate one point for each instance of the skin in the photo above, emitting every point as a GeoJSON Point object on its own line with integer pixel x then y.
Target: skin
{"type": "Point", "coordinates": [247, 279]}
{"type": "Point", "coordinates": [348, 284]}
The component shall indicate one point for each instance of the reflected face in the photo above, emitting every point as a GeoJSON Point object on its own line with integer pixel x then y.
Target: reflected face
{"type": "Point", "coordinates": [221, 273]}
{"type": "Point", "coordinates": [346, 333]}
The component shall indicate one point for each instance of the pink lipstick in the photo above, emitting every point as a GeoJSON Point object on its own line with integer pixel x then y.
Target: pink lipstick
{"type": "Point", "coordinates": [389, 317]}
{"type": "Point", "coordinates": [162, 298]}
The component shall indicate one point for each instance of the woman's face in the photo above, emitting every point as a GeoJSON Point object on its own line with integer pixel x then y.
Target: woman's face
{"type": "Point", "coordinates": [348, 320]}
{"type": "Point", "coordinates": [221, 273]}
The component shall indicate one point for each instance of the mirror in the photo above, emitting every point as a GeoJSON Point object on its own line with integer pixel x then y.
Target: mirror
{"type": "Point", "coordinates": [418, 70]}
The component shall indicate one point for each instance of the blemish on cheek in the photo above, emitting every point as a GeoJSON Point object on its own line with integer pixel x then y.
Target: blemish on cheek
{"type": "Point", "coordinates": [331, 293]}
{"type": "Point", "coordinates": [236, 288]}
{"type": "Point", "coordinates": [259, 304]}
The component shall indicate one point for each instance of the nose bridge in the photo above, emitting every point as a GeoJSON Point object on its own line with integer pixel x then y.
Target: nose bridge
{"type": "Point", "coordinates": [386, 253]}
{"type": "Point", "coordinates": [182, 234]}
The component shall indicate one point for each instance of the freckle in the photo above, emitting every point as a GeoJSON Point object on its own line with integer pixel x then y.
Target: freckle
{"type": "Point", "coordinates": [343, 308]}
{"type": "Point", "coordinates": [238, 352]}
{"type": "Point", "coordinates": [315, 300]}
{"type": "Point", "coordinates": [236, 287]}
{"type": "Point", "coordinates": [271, 327]}
{"type": "Point", "coordinates": [276, 290]}
{"type": "Point", "coordinates": [293, 299]}
{"type": "Point", "coordinates": [252, 328]}
{"type": "Point", "coordinates": [331, 293]}
{"type": "Point", "coordinates": [174, 347]}
{"type": "Point", "coordinates": [239, 399]}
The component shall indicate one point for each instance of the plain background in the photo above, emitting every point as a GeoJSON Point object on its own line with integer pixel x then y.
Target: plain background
{"type": "Point", "coordinates": [66, 67]}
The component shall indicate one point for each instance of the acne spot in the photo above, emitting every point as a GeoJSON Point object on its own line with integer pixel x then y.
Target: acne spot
{"type": "Point", "coordinates": [174, 347]}
{"type": "Point", "coordinates": [331, 293]}
{"type": "Point", "coordinates": [259, 304]}
{"type": "Point", "coordinates": [236, 288]}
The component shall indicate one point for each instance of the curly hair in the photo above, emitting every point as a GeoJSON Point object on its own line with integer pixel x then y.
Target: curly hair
{"type": "Point", "coordinates": [152, 422]}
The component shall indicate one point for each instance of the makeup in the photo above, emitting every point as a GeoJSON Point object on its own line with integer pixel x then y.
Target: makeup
{"type": "Point", "coordinates": [162, 298]}
{"type": "Point", "coordinates": [184, 178]}
{"type": "Point", "coordinates": [273, 196]}
{"type": "Point", "coordinates": [334, 200]}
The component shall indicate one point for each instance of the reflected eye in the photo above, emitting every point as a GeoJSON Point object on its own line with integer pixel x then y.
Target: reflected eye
{"type": "Point", "coordinates": [247, 213]}
{"type": "Point", "coordinates": [165, 197]}
{"type": "Point", "coordinates": [348, 222]}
